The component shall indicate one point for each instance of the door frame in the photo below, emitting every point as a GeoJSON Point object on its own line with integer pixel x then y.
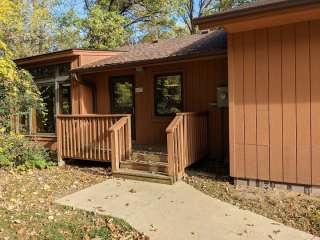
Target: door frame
{"type": "Point", "coordinates": [124, 78]}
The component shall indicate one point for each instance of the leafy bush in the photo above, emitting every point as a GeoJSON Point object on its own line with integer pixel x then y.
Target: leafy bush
{"type": "Point", "coordinates": [16, 151]}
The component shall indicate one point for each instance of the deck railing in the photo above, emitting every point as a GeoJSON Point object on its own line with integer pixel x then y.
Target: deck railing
{"type": "Point", "coordinates": [85, 136]}
{"type": "Point", "coordinates": [121, 144]}
{"type": "Point", "coordinates": [187, 141]}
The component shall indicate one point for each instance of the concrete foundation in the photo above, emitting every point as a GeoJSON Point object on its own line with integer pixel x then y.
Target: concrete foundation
{"type": "Point", "coordinates": [307, 189]}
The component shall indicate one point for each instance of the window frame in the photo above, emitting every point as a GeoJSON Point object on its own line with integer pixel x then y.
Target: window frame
{"type": "Point", "coordinates": [155, 98]}
{"type": "Point", "coordinates": [56, 80]}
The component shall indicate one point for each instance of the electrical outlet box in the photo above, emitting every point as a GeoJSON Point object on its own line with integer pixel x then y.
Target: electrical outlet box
{"type": "Point", "coordinates": [222, 97]}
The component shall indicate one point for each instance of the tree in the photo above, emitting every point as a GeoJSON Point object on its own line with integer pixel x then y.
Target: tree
{"type": "Point", "coordinates": [104, 29]}
{"type": "Point", "coordinates": [191, 9]}
{"type": "Point", "coordinates": [18, 93]}
{"type": "Point", "coordinates": [32, 30]}
{"type": "Point", "coordinates": [111, 23]}
{"type": "Point", "coordinates": [68, 32]}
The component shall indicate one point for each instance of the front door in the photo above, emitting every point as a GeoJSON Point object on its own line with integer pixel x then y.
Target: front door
{"type": "Point", "coordinates": [122, 97]}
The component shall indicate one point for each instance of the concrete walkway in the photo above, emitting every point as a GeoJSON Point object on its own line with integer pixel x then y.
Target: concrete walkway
{"type": "Point", "coordinates": [177, 212]}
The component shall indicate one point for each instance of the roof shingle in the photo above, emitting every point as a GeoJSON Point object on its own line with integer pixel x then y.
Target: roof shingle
{"type": "Point", "coordinates": [211, 43]}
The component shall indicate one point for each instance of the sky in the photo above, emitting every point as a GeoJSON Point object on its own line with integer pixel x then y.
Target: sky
{"type": "Point", "coordinates": [78, 6]}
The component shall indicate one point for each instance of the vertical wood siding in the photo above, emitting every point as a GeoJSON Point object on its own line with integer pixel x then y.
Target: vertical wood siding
{"type": "Point", "coordinates": [274, 81]}
{"type": "Point", "coordinates": [200, 80]}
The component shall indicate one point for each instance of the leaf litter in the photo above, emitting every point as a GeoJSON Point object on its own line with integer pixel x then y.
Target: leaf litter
{"type": "Point", "coordinates": [293, 209]}
{"type": "Point", "coordinates": [27, 209]}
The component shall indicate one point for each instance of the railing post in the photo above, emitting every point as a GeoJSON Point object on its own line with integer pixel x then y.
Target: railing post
{"type": "Point", "coordinates": [59, 143]}
{"type": "Point", "coordinates": [114, 151]}
{"type": "Point", "coordinates": [171, 168]}
{"type": "Point", "coordinates": [129, 139]}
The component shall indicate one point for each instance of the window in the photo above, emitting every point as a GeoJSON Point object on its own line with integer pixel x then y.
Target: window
{"type": "Point", "coordinates": [168, 94]}
{"type": "Point", "coordinates": [43, 72]}
{"type": "Point", "coordinates": [46, 123]}
{"type": "Point", "coordinates": [54, 84]}
{"type": "Point", "coordinates": [65, 98]}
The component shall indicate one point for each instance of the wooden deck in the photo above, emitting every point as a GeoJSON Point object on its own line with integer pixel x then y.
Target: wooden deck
{"type": "Point", "coordinates": [107, 138]}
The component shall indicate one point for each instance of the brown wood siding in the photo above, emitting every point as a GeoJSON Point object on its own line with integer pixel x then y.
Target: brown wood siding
{"type": "Point", "coordinates": [274, 103]}
{"type": "Point", "coordinates": [200, 80]}
{"type": "Point", "coordinates": [86, 92]}
{"type": "Point", "coordinates": [46, 141]}
{"type": "Point", "coordinates": [315, 100]}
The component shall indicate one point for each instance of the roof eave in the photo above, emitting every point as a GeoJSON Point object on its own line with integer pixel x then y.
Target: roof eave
{"type": "Point", "coordinates": [67, 53]}
{"type": "Point", "coordinates": [219, 19]}
{"type": "Point", "coordinates": [144, 63]}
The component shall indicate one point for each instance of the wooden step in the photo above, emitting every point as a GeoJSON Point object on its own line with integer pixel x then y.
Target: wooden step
{"type": "Point", "coordinates": [151, 167]}
{"type": "Point", "coordinates": [145, 156]}
{"type": "Point", "coordinates": [143, 176]}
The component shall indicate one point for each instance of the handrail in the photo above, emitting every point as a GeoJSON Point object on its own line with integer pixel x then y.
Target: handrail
{"type": "Point", "coordinates": [191, 113]}
{"type": "Point", "coordinates": [186, 140]}
{"type": "Point", "coordinates": [173, 124]}
{"type": "Point", "coordinates": [119, 124]}
{"type": "Point", "coordinates": [92, 115]}
{"type": "Point", "coordinates": [121, 144]}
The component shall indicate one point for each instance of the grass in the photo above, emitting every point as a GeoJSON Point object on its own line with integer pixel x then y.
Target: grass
{"type": "Point", "coordinates": [27, 209]}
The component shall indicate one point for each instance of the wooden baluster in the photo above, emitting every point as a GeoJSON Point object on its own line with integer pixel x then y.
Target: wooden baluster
{"type": "Point", "coordinates": [89, 138]}
{"type": "Point", "coordinates": [107, 137]}
{"type": "Point", "coordinates": [85, 131]}
{"type": "Point", "coordinates": [73, 137]}
{"type": "Point", "coordinates": [63, 137]}
{"type": "Point", "coordinates": [95, 141]}
{"type": "Point", "coordinates": [176, 156]}
{"type": "Point", "coordinates": [178, 146]}
{"type": "Point", "coordinates": [129, 138]}
{"type": "Point", "coordinates": [170, 154]}
{"type": "Point", "coordinates": [114, 151]}
{"type": "Point", "coordinates": [79, 137]}
{"type": "Point", "coordinates": [68, 136]}
{"type": "Point", "coordinates": [92, 138]}
{"type": "Point", "coordinates": [122, 143]}
{"type": "Point", "coordinates": [103, 139]}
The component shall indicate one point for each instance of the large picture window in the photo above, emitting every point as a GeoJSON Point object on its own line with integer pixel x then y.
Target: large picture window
{"type": "Point", "coordinates": [54, 84]}
{"type": "Point", "coordinates": [168, 94]}
{"type": "Point", "coordinates": [46, 123]}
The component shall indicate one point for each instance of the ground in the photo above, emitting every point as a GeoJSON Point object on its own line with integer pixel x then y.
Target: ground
{"type": "Point", "coordinates": [292, 209]}
{"type": "Point", "coordinates": [27, 210]}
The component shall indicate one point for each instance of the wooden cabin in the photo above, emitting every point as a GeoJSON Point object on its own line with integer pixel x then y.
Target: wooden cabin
{"type": "Point", "coordinates": [274, 92]}
{"type": "Point", "coordinates": [248, 93]}
{"type": "Point", "coordinates": [149, 108]}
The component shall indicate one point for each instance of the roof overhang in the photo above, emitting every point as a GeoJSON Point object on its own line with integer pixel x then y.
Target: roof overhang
{"type": "Point", "coordinates": [67, 54]}
{"type": "Point", "coordinates": [146, 63]}
{"type": "Point", "coordinates": [262, 16]}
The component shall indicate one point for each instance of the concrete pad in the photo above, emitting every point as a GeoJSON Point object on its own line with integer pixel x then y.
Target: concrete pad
{"type": "Point", "coordinates": [177, 212]}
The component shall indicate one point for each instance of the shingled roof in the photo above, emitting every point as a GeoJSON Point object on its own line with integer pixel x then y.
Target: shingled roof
{"type": "Point", "coordinates": [178, 48]}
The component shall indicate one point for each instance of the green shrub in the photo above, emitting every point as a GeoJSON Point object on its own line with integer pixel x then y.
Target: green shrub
{"type": "Point", "coordinates": [16, 151]}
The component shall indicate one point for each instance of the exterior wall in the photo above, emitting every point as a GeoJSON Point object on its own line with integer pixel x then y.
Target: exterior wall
{"type": "Point", "coordinates": [200, 80]}
{"type": "Point", "coordinates": [88, 57]}
{"type": "Point", "coordinates": [274, 89]}
{"type": "Point", "coordinates": [47, 141]}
